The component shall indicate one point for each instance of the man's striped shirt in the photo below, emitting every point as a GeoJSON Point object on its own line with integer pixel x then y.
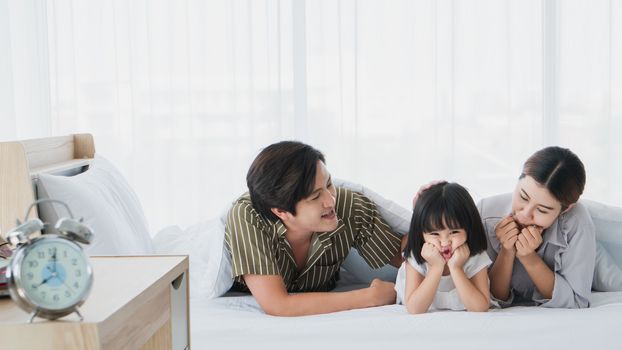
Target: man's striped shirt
{"type": "Point", "coordinates": [258, 246]}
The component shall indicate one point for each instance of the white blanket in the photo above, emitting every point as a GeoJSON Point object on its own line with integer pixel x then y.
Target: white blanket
{"type": "Point", "coordinates": [237, 322]}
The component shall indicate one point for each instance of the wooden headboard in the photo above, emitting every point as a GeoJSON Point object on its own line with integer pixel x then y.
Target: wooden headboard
{"type": "Point", "coordinates": [20, 160]}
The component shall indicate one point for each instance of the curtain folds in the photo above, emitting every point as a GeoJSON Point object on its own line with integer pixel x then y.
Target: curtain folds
{"type": "Point", "coordinates": [181, 95]}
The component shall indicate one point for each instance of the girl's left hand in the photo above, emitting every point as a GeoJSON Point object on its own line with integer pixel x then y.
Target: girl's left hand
{"type": "Point", "coordinates": [459, 257]}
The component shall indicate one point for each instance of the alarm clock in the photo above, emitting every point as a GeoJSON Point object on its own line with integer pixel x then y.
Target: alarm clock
{"type": "Point", "coordinates": [49, 276]}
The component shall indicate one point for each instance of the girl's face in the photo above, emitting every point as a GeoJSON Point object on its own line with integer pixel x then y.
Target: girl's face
{"type": "Point", "coordinates": [446, 240]}
{"type": "Point", "coordinates": [533, 204]}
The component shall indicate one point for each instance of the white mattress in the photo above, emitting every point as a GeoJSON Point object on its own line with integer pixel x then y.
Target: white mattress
{"type": "Point", "coordinates": [237, 322]}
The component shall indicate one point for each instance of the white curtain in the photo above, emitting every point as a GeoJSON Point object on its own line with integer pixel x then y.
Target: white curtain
{"type": "Point", "coordinates": [24, 74]}
{"type": "Point", "coordinates": [181, 95]}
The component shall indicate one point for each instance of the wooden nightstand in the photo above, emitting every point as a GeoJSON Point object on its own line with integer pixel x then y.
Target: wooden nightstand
{"type": "Point", "coordinates": [137, 302]}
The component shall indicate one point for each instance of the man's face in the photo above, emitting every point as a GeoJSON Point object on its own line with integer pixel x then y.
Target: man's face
{"type": "Point", "coordinates": [316, 213]}
{"type": "Point", "coordinates": [533, 204]}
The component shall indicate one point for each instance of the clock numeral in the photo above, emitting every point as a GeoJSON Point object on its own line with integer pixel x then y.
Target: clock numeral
{"type": "Point", "coordinates": [78, 273]}
{"type": "Point", "coordinates": [51, 251]}
{"type": "Point", "coordinates": [41, 255]}
{"type": "Point", "coordinates": [56, 297]}
{"type": "Point", "coordinates": [74, 261]}
{"type": "Point", "coordinates": [76, 285]}
{"type": "Point", "coordinates": [33, 264]}
{"type": "Point", "coordinates": [64, 253]}
{"type": "Point", "coordinates": [30, 276]}
{"type": "Point", "coordinates": [67, 294]}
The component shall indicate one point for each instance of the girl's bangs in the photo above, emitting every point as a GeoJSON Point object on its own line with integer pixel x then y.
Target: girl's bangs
{"type": "Point", "coordinates": [441, 216]}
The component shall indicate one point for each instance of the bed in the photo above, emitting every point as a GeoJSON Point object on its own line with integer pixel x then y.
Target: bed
{"type": "Point", "coordinates": [238, 322]}
{"type": "Point", "coordinates": [235, 320]}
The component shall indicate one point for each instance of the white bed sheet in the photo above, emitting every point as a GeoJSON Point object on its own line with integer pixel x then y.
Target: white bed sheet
{"type": "Point", "coordinates": [237, 322]}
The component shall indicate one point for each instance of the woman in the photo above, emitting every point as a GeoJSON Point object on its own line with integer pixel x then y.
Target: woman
{"type": "Point", "coordinates": [540, 239]}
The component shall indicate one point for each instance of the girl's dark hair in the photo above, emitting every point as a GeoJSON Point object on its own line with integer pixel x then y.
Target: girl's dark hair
{"type": "Point", "coordinates": [445, 205]}
{"type": "Point", "coordinates": [560, 171]}
{"type": "Point", "coordinates": [281, 175]}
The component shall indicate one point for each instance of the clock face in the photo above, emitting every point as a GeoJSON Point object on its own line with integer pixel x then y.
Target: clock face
{"type": "Point", "coordinates": [55, 274]}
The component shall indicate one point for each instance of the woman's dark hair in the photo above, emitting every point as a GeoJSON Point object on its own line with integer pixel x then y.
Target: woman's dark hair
{"type": "Point", "coordinates": [445, 205]}
{"type": "Point", "coordinates": [560, 171]}
{"type": "Point", "coordinates": [281, 175]}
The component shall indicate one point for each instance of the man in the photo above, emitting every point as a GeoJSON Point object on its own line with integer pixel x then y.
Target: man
{"type": "Point", "coordinates": [293, 230]}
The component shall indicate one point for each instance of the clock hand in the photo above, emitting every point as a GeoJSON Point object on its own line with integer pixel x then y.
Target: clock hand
{"type": "Point", "coordinates": [44, 281]}
{"type": "Point", "coordinates": [71, 289]}
{"type": "Point", "coordinates": [48, 278]}
{"type": "Point", "coordinates": [54, 259]}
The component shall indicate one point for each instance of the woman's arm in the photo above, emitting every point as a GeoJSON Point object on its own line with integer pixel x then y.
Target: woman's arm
{"type": "Point", "coordinates": [572, 279]}
{"type": "Point", "coordinates": [473, 292]}
{"type": "Point", "coordinates": [272, 296]}
{"type": "Point", "coordinates": [506, 232]}
{"type": "Point", "coordinates": [420, 290]}
{"type": "Point", "coordinates": [542, 276]}
{"type": "Point", "coordinates": [501, 274]}
{"type": "Point", "coordinates": [397, 260]}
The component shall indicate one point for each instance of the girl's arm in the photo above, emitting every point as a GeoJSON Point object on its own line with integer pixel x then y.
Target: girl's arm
{"type": "Point", "coordinates": [420, 290]}
{"type": "Point", "coordinates": [473, 292]}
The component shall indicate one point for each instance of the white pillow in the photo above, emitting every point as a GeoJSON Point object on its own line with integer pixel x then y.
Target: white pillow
{"type": "Point", "coordinates": [608, 224]}
{"type": "Point", "coordinates": [105, 201]}
{"type": "Point", "coordinates": [395, 215]}
{"type": "Point", "coordinates": [210, 262]}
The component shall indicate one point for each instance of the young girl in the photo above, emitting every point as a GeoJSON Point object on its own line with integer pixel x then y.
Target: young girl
{"type": "Point", "coordinates": [446, 263]}
{"type": "Point", "coordinates": [541, 239]}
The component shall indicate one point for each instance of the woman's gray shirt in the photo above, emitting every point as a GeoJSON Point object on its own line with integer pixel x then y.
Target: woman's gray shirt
{"type": "Point", "coordinates": [568, 249]}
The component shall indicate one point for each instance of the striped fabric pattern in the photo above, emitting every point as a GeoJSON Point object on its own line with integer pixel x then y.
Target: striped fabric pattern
{"type": "Point", "coordinates": [258, 246]}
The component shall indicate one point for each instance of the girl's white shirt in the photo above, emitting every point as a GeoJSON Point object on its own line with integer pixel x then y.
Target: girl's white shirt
{"type": "Point", "coordinates": [446, 297]}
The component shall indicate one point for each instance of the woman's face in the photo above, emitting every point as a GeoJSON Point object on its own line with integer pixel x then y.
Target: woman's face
{"type": "Point", "coordinates": [533, 204]}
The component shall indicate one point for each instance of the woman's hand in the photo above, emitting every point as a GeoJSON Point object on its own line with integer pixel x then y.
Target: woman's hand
{"type": "Point", "coordinates": [528, 241]}
{"type": "Point", "coordinates": [507, 233]}
{"type": "Point", "coordinates": [459, 257]}
{"type": "Point", "coordinates": [432, 255]}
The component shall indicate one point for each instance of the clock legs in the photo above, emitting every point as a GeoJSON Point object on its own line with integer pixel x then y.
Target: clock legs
{"type": "Point", "coordinates": [36, 312]}
{"type": "Point", "coordinates": [33, 315]}
{"type": "Point", "coordinates": [79, 314]}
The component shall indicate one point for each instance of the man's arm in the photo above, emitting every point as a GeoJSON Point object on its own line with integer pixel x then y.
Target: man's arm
{"type": "Point", "coordinates": [398, 259]}
{"type": "Point", "coordinates": [272, 296]}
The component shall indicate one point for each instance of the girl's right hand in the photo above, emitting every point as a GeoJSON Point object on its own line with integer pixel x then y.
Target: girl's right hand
{"type": "Point", "coordinates": [507, 233]}
{"type": "Point", "coordinates": [432, 255]}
